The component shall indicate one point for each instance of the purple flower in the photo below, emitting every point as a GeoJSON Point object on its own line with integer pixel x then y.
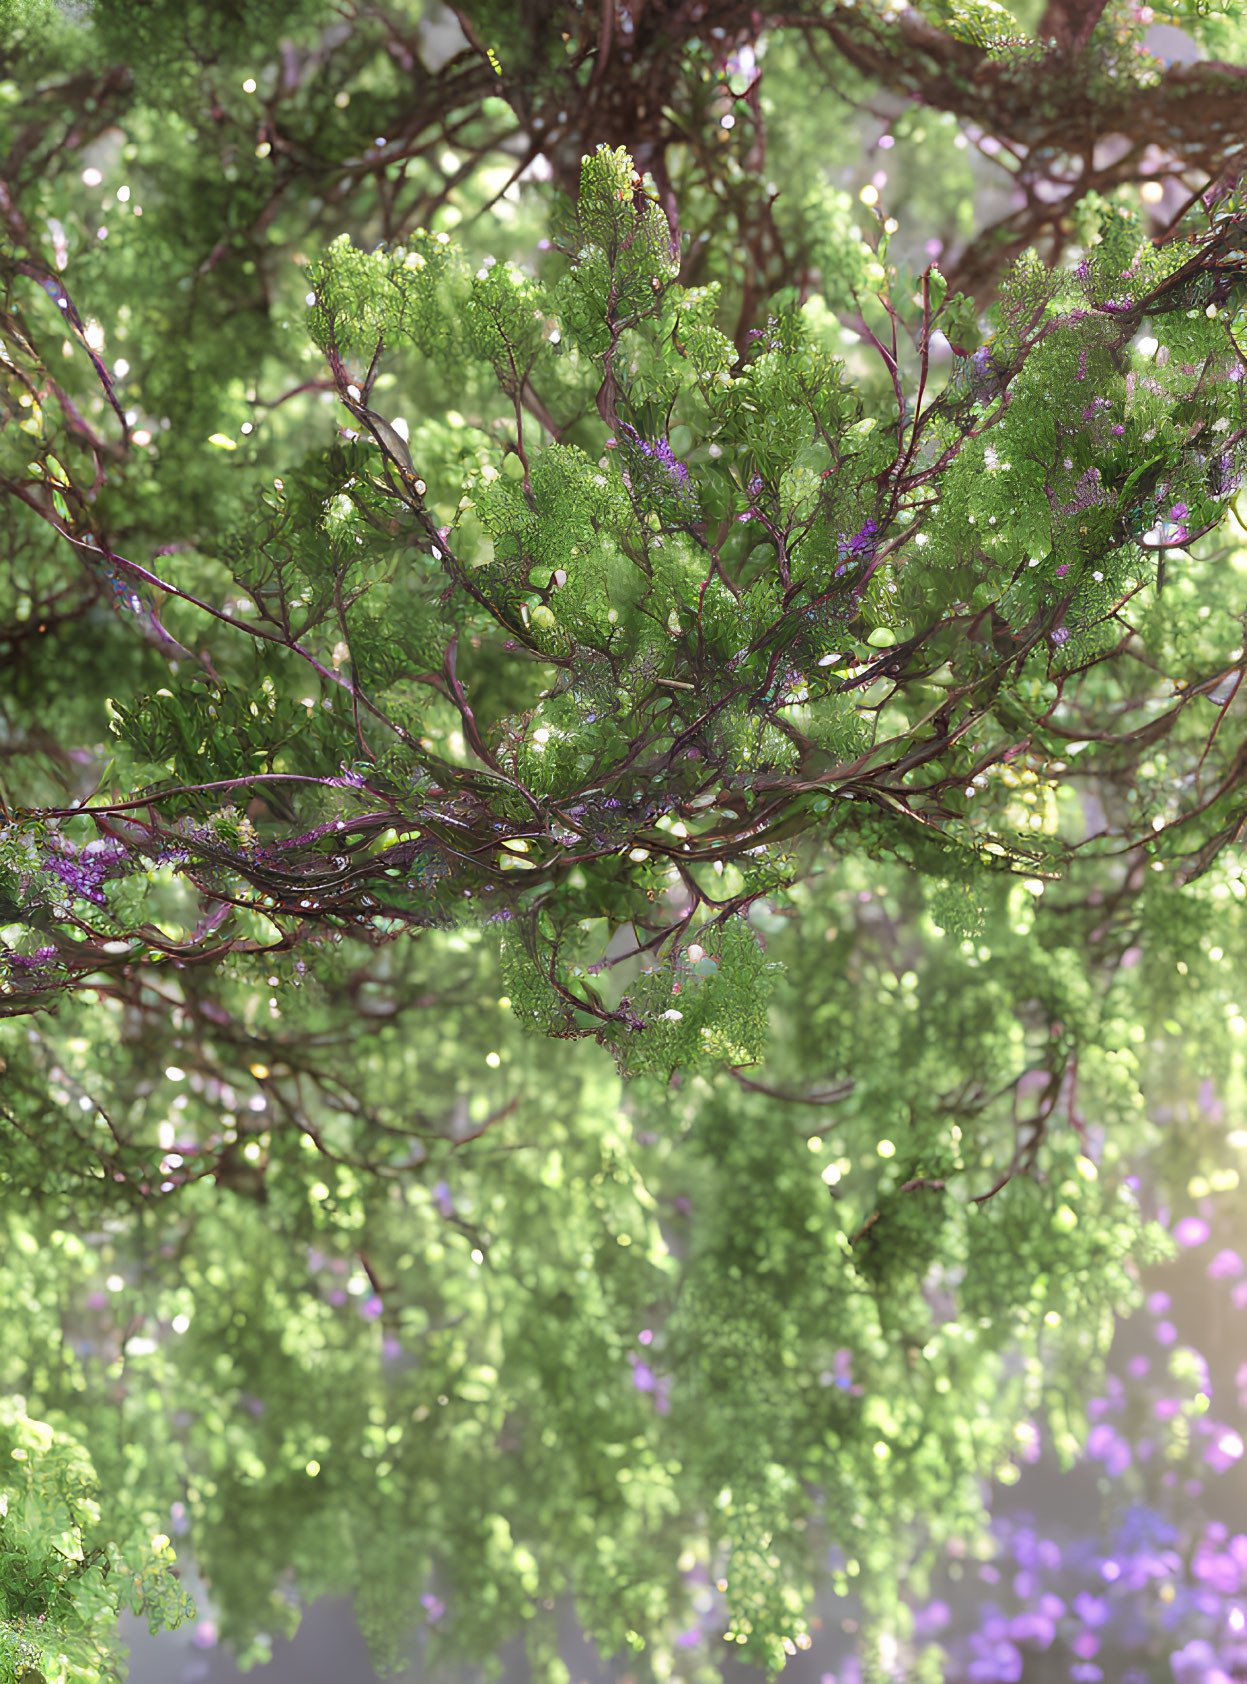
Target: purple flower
{"type": "Point", "coordinates": [84, 873]}
{"type": "Point", "coordinates": [434, 1607]}
{"type": "Point", "coordinates": [1191, 1231]}
{"type": "Point", "coordinates": [1105, 1444]}
{"type": "Point", "coordinates": [1224, 1452]}
{"type": "Point", "coordinates": [31, 961]}
{"type": "Point", "coordinates": [998, 1662]}
{"type": "Point", "coordinates": [1092, 1611]}
{"type": "Point", "coordinates": [676, 471]}
{"type": "Point", "coordinates": [371, 1308]}
{"type": "Point", "coordinates": [1197, 1663]}
{"type": "Point", "coordinates": [861, 543]}
{"type": "Point", "coordinates": [643, 1376]}
{"type": "Point", "coordinates": [1223, 479]}
{"type": "Point", "coordinates": [1217, 1570]}
{"type": "Point", "coordinates": [1032, 1627]}
{"type": "Point", "coordinates": [673, 471]}
{"type": "Point", "coordinates": [931, 1619]}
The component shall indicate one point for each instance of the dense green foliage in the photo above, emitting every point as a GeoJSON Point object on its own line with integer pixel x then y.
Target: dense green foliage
{"type": "Point", "coordinates": [690, 625]}
{"type": "Point", "coordinates": [709, 635]}
{"type": "Point", "coordinates": [828, 1323]}
{"type": "Point", "coordinates": [57, 1559]}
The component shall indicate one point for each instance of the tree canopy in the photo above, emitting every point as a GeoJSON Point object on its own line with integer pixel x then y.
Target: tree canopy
{"type": "Point", "coordinates": [487, 568]}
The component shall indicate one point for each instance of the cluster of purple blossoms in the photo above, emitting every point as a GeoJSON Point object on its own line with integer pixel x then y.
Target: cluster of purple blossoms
{"type": "Point", "coordinates": [85, 871]}
{"type": "Point", "coordinates": [31, 962]}
{"type": "Point", "coordinates": [1224, 477]}
{"type": "Point", "coordinates": [1165, 1585]}
{"type": "Point", "coordinates": [1086, 492]}
{"type": "Point", "coordinates": [662, 451]}
{"type": "Point", "coordinates": [658, 465]}
{"type": "Point", "coordinates": [862, 543]}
